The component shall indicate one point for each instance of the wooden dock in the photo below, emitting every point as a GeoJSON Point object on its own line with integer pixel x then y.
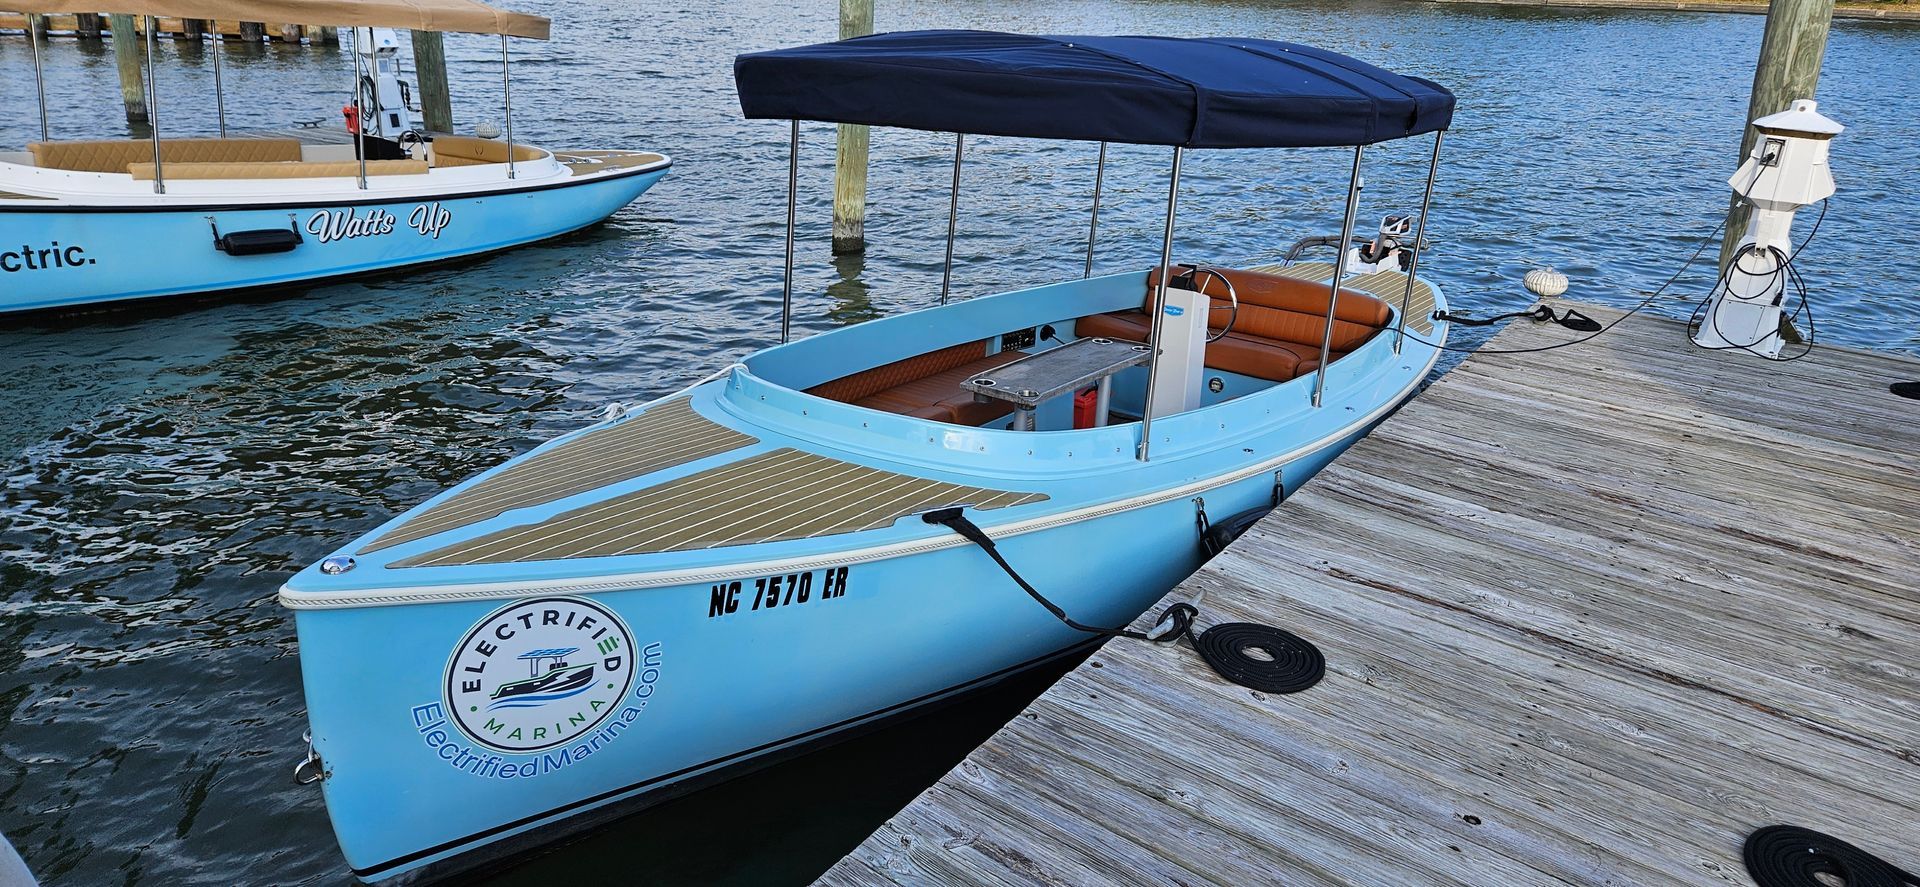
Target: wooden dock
{"type": "Point", "coordinates": [1590, 615]}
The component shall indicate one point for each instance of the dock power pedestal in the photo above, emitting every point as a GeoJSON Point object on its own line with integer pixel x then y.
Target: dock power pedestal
{"type": "Point", "coordinates": [1786, 171]}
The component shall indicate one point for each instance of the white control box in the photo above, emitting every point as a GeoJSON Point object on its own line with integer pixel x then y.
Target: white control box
{"type": "Point", "coordinates": [1179, 381]}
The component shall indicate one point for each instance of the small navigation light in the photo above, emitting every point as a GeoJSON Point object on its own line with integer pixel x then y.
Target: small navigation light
{"type": "Point", "coordinates": [336, 565]}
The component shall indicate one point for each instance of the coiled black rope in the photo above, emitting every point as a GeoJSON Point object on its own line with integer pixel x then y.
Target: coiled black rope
{"type": "Point", "coordinates": [1286, 663]}
{"type": "Point", "coordinates": [1790, 856]}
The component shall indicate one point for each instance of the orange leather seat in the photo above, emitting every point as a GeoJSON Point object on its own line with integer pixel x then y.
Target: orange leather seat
{"type": "Point", "coordinates": [926, 386]}
{"type": "Point", "coordinates": [1277, 333]}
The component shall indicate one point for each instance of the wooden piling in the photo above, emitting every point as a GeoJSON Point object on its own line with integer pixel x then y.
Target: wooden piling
{"type": "Point", "coordinates": [126, 57]}
{"type": "Point", "coordinates": [850, 154]}
{"type": "Point", "coordinates": [253, 32]}
{"type": "Point", "coordinates": [37, 28]}
{"type": "Point", "coordinates": [86, 25]}
{"type": "Point", "coordinates": [193, 28]}
{"type": "Point", "coordinates": [329, 35]}
{"type": "Point", "coordinates": [430, 72]}
{"type": "Point", "coordinates": [1789, 68]}
{"type": "Point", "coordinates": [287, 34]}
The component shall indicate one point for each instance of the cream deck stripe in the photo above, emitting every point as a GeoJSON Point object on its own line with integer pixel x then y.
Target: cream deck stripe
{"type": "Point", "coordinates": [564, 470]}
{"type": "Point", "coordinates": [782, 495]}
{"type": "Point", "coordinates": [779, 524]}
{"type": "Point", "coordinates": [609, 461]}
{"type": "Point", "coordinates": [614, 513]}
{"type": "Point", "coordinates": [670, 434]}
{"type": "Point", "coordinates": [510, 489]}
{"type": "Point", "coordinates": [705, 524]}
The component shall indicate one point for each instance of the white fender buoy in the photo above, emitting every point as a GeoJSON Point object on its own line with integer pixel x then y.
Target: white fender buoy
{"type": "Point", "coordinates": [487, 130]}
{"type": "Point", "coordinates": [1545, 282]}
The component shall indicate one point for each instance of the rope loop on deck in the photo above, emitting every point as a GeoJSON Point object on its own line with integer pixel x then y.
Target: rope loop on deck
{"type": "Point", "coordinates": [1790, 856]}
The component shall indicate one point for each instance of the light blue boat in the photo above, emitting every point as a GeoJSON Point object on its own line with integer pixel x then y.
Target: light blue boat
{"type": "Point", "coordinates": [85, 223]}
{"type": "Point", "coordinates": [774, 556]}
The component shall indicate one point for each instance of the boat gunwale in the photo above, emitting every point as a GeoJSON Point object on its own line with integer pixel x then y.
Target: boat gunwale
{"type": "Point", "coordinates": [564, 177]}
{"type": "Point", "coordinates": [298, 599]}
{"type": "Point", "coordinates": [744, 408]}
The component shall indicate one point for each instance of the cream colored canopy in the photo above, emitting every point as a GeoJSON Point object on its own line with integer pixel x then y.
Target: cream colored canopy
{"type": "Point", "coordinates": [464, 16]}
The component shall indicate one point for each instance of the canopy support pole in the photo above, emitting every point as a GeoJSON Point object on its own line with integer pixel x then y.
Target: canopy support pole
{"type": "Point", "coordinates": [793, 199]}
{"type": "Point", "coordinates": [1339, 272]}
{"type": "Point", "coordinates": [1093, 222]}
{"type": "Point", "coordinates": [1419, 240]}
{"type": "Point", "coordinates": [506, 87]}
{"type": "Point", "coordinates": [953, 215]}
{"type": "Point", "coordinates": [39, 78]}
{"type": "Point", "coordinates": [359, 108]}
{"type": "Point", "coordinates": [153, 113]}
{"type": "Point", "coordinates": [1160, 305]}
{"type": "Point", "coordinates": [219, 89]}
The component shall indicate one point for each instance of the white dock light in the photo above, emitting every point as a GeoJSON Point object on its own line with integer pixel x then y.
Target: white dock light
{"type": "Point", "coordinates": [1786, 171]}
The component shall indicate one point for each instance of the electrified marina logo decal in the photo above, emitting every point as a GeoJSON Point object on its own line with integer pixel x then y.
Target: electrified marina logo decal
{"type": "Point", "coordinates": [557, 678]}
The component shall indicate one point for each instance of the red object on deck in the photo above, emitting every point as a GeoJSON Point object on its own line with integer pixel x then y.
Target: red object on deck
{"type": "Point", "coordinates": [1084, 405]}
{"type": "Point", "coordinates": [352, 114]}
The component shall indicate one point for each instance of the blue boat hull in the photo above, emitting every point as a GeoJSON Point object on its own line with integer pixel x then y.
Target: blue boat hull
{"type": "Point", "coordinates": [717, 657]}
{"type": "Point", "coordinates": [53, 258]}
{"type": "Point", "coordinates": [717, 693]}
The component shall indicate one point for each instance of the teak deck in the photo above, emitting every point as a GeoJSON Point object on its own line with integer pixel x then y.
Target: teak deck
{"type": "Point", "coordinates": [1590, 615]}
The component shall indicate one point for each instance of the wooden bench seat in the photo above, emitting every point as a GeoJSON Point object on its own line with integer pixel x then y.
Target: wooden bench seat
{"type": "Point", "coordinates": [926, 386]}
{"type": "Point", "coordinates": [1276, 335]}
{"type": "Point", "coordinates": [281, 169]}
{"type": "Point", "coordinates": [470, 151]}
{"type": "Point", "coordinates": [114, 155]}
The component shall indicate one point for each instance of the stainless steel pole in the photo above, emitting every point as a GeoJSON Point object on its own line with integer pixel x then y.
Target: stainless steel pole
{"type": "Point", "coordinates": [793, 199]}
{"type": "Point", "coordinates": [506, 85]}
{"type": "Point", "coordinates": [1093, 222]}
{"type": "Point", "coordinates": [1419, 243]}
{"type": "Point", "coordinates": [1339, 271]}
{"type": "Point", "coordinates": [153, 114]}
{"type": "Point", "coordinates": [359, 107]}
{"type": "Point", "coordinates": [219, 89]}
{"type": "Point", "coordinates": [953, 215]}
{"type": "Point", "coordinates": [39, 78]}
{"type": "Point", "coordinates": [1159, 306]}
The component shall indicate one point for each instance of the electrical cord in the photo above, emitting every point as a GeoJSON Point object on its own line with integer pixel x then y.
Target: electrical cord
{"type": "Point", "coordinates": [1601, 331]}
{"type": "Point", "coordinates": [1783, 272]}
{"type": "Point", "coordinates": [1786, 267]}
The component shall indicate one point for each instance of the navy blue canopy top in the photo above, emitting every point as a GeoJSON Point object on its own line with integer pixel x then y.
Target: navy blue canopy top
{"type": "Point", "coordinates": [1221, 92]}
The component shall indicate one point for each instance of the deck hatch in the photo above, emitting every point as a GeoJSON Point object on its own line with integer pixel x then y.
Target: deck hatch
{"type": "Point", "coordinates": [667, 435]}
{"type": "Point", "coordinates": [777, 496]}
{"type": "Point", "coordinates": [1388, 286]}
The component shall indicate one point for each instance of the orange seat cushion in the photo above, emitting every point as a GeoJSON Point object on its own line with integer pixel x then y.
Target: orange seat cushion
{"type": "Point", "coordinates": [1277, 333]}
{"type": "Point", "coordinates": [925, 386]}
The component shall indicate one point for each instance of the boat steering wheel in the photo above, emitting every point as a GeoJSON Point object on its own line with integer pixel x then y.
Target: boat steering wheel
{"type": "Point", "coordinates": [1232, 298]}
{"type": "Point", "coordinates": [410, 139]}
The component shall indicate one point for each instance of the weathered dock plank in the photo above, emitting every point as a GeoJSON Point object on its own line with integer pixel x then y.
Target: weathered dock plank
{"type": "Point", "coordinates": [1590, 615]}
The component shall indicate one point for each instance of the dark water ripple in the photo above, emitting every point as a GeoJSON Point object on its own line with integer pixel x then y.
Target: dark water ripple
{"type": "Point", "coordinates": [162, 471]}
